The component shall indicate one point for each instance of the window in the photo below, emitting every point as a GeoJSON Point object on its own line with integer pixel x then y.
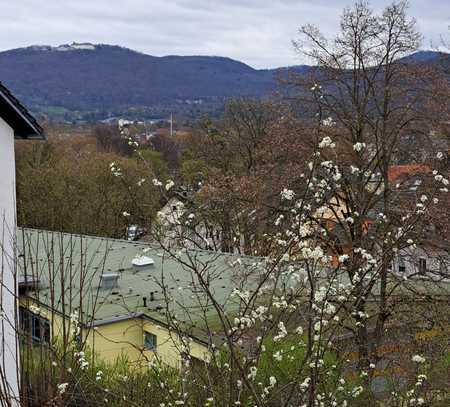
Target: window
{"type": "Point", "coordinates": [422, 265]}
{"type": "Point", "coordinates": [401, 264]}
{"type": "Point", "coordinates": [149, 341]}
{"type": "Point", "coordinates": [443, 266]}
{"type": "Point", "coordinates": [34, 326]}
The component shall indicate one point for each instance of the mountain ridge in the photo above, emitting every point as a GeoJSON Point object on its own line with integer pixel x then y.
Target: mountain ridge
{"type": "Point", "coordinates": [86, 81]}
{"type": "Point", "coordinates": [88, 46]}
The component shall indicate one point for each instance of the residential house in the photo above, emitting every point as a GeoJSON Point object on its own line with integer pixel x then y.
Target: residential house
{"type": "Point", "coordinates": [429, 257]}
{"type": "Point", "coordinates": [426, 261]}
{"type": "Point", "coordinates": [124, 294]}
{"type": "Point", "coordinates": [15, 123]}
{"type": "Point", "coordinates": [408, 177]}
{"type": "Point", "coordinates": [178, 224]}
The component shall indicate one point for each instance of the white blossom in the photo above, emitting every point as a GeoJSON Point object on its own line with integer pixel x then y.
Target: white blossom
{"type": "Point", "coordinates": [359, 146]}
{"type": "Point", "coordinates": [354, 170]}
{"type": "Point", "coordinates": [327, 142]}
{"type": "Point", "coordinates": [305, 384]}
{"type": "Point", "coordinates": [282, 332]}
{"type": "Point", "coordinates": [278, 356]}
{"type": "Point", "coordinates": [169, 184]}
{"type": "Point", "coordinates": [328, 122]}
{"type": "Point", "coordinates": [252, 374]}
{"type": "Point", "coordinates": [287, 194]}
{"type": "Point", "coordinates": [418, 359]}
{"type": "Point", "coordinates": [62, 388]}
{"type": "Point", "coordinates": [34, 309]}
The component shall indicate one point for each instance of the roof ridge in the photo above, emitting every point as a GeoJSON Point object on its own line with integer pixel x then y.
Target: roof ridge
{"type": "Point", "coordinates": [22, 110]}
{"type": "Point", "coordinates": [140, 243]}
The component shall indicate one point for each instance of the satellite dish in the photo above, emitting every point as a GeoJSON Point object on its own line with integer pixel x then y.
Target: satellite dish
{"type": "Point", "coordinates": [141, 261]}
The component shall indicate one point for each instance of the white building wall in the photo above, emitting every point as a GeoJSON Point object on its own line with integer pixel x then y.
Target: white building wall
{"type": "Point", "coordinates": [8, 346]}
{"type": "Point", "coordinates": [437, 263]}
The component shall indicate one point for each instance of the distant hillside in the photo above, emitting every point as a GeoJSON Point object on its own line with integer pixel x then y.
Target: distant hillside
{"type": "Point", "coordinates": [94, 82]}
{"type": "Point", "coordinates": [111, 80]}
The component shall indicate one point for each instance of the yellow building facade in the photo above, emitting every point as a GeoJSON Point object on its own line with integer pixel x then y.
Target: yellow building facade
{"type": "Point", "coordinates": [121, 310]}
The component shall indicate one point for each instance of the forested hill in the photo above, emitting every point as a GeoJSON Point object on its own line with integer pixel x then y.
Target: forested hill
{"type": "Point", "coordinates": [111, 80]}
{"type": "Point", "coordinates": [94, 82]}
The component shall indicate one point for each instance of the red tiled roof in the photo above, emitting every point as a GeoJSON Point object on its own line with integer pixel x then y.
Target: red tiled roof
{"type": "Point", "coordinates": [397, 171]}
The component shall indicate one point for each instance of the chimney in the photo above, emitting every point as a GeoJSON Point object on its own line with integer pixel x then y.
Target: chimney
{"type": "Point", "coordinates": [152, 296]}
{"type": "Point", "coordinates": [145, 301]}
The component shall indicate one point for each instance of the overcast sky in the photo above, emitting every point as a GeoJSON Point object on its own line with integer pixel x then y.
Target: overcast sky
{"type": "Point", "coordinates": [258, 32]}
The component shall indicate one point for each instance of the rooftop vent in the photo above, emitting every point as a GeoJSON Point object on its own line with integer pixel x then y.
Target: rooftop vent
{"type": "Point", "coordinates": [142, 261]}
{"type": "Point", "coordinates": [109, 281]}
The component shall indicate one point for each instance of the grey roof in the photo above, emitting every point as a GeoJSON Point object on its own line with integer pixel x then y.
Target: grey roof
{"type": "Point", "coordinates": [18, 117]}
{"type": "Point", "coordinates": [74, 264]}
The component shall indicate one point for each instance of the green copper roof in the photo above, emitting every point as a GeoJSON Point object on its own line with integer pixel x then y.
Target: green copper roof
{"type": "Point", "coordinates": [73, 265]}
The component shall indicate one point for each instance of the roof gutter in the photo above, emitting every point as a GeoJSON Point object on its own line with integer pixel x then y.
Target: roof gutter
{"type": "Point", "coordinates": [118, 318]}
{"type": "Point", "coordinates": [37, 132]}
{"type": "Point", "coordinates": [132, 315]}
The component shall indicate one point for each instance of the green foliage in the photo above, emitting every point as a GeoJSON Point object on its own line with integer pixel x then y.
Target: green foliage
{"type": "Point", "coordinates": [288, 367]}
{"type": "Point", "coordinates": [193, 171]}
{"type": "Point", "coordinates": [156, 163]}
{"type": "Point", "coordinates": [123, 383]}
{"type": "Point", "coordinates": [67, 185]}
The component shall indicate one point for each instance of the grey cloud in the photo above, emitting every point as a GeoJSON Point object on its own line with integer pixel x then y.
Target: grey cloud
{"type": "Point", "coordinates": [258, 32]}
